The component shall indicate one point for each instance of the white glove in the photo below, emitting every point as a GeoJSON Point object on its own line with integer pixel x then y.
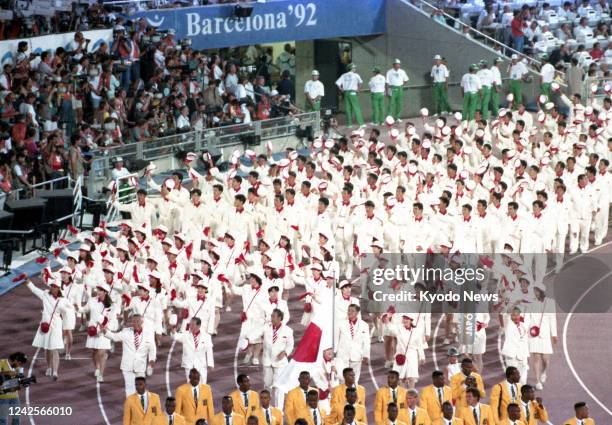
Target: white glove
{"type": "Point", "coordinates": [149, 370]}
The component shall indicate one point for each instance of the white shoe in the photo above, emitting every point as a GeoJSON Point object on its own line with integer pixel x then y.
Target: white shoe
{"type": "Point", "coordinates": [228, 308]}
{"type": "Point", "coordinates": [446, 341]}
{"type": "Point", "coordinates": [97, 373]}
{"type": "Point", "coordinates": [100, 379]}
{"type": "Point", "coordinates": [55, 376]}
{"type": "Point", "coordinates": [48, 371]}
{"type": "Point", "coordinates": [247, 359]}
{"type": "Point", "coordinates": [543, 377]}
{"type": "Point", "coordinates": [388, 364]}
{"type": "Point", "coordinates": [255, 361]}
{"type": "Point", "coordinates": [435, 115]}
{"type": "Point", "coordinates": [398, 120]}
{"type": "Point", "coordinates": [362, 126]}
{"type": "Point", "coordinates": [539, 386]}
{"type": "Point", "coordinates": [373, 124]}
{"type": "Point", "coordinates": [67, 357]}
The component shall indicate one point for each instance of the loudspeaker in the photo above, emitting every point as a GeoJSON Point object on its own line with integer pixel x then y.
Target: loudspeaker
{"type": "Point", "coordinates": [59, 202]}
{"type": "Point", "coordinates": [28, 213]}
{"type": "Point", "coordinates": [243, 11]}
{"type": "Point", "coordinates": [250, 139]}
{"type": "Point", "coordinates": [306, 133]}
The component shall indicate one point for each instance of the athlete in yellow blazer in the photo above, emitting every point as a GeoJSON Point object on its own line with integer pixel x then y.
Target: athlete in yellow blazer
{"type": "Point", "coordinates": [296, 398]}
{"type": "Point", "coordinates": [238, 397]}
{"type": "Point", "coordinates": [186, 403]}
{"type": "Point", "coordinates": [485, 413]}
{"type": "Point", "coordinates": [532, 407]}
{"type": "Point", "coordinates": [430, 396]}
{"type": "Point", "coordinates": [420, 415]}
{"type": "Point", "coordinates": [170, 411]}
{"type": "Point", "coordinates": [274, 415]}
{"type": "Point", "coordinates": [227, 410]}
{"type": "Point", "coordinates": [506, 392]}
{"type": "Point", "coordinates": [582, 415]}
{"type": "Point", "coordinates": [384, 396]}
{"type": "Point", "coordinates": [133, 412]}
{"type": "Point", "coordinates": [448, 415]}
{"type": "Point", "coordinates": [308, 411]}
{"type": "Point", "coordinates": [339, 391]}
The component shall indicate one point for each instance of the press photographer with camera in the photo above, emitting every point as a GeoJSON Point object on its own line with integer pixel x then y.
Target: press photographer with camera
{"type": "Point", "coordinates": [11, 368]}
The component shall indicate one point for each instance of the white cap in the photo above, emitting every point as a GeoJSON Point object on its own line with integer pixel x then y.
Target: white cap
{"type": "Point", "coordinates": [514, 56]}
{"type": "Point", "coordinates": [458, 116]}
{"type": "Point", "coordinates": [424, 112]}
{"type": "Point", "coordinates": [397, 61]}
{"type": "Point", "coordinates": [510, 97]}
{"type": "Point", "coordinates": [437, 57]}
{"type": "Point", "coordinates": [389, 120]}
{"type": "Point", "coordinates": [314, 72]}
{"type": "Point", "coordinates": [394, 133]}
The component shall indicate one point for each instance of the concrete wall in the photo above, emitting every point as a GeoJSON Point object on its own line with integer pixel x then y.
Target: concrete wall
{"type": "Point", "coordinates": [414, 38]}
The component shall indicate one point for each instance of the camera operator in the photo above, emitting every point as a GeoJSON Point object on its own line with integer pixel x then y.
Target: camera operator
{"type": "Point", "coordinates": [11, 368]}
{"type": "Point", "coordinates": [78, 47]}
{"type": "Point", "coordinates": [281, 106]}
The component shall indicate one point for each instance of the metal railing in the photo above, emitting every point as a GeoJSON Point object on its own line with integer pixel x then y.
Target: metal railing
{"type": "Point", "coordinates": [197, 141]}
{"type": "Point", "coordinates": [477, 35]}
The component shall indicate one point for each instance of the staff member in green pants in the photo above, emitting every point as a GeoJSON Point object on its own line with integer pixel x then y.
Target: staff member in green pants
{"type": "Point", "coordinates": [377, 88]}
{"type": "Point", "coordinates": [470, 87]}
{"type": "Point", "coordinates": [396, 78]}
{"type": "Point", "coordinates": [349, 84]}
{"type": "Point", "coordinates": [518, 71]}
{"type": "Point", "coordinates": [314, 91]}
{"type": "Point", "coordinates": [486, 81]}
{"type": "Point", "coordinates": [439, 75]}
{"type": "Point", "coordinates": [497, 86]}
{"type": "Point", "coordinates": [547, 76]}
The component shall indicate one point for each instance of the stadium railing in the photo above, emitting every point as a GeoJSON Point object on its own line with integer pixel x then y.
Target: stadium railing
{"type": "Point", "coordinates": [220, 138]}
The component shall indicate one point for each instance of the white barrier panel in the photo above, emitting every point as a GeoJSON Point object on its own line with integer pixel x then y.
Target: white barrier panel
{"type": "Point", "coordinates": [8, 48]}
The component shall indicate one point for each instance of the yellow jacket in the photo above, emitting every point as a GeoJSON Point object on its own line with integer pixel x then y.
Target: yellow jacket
{"type": "Point", "coordinates": [133, 413]}
{"type": "Point", "coordinates": [185, 404]}
{"type": "Point", "coordinates": [501, 398]}
{"type": "Point", "coordinates": [536, 413]}
{"type": "Point", "coordinates": [509, 422]}
{"type": "Point", "coordinates": [305, 412]}
{"type": "Point", "coordinates": [422, 418]}
{"type": "Point", "coordinates": [163, 420]}
{"type": "Point", "coordinates": [429, 401]}
{"type": "Point", "coordinates": [239, 403]}
{"type": "Point", "coordinates": [338, 395]}
{"type": "Point", "coordinates": [455, 421]}
{"type": "Point", "coordinates": [458, 390]}
{"type": "Point", "coordinates": [337, 414]}
{"type": "Point", "coordinates": [295, 401]}
{"type": "Point", "coordinates": [276, 416]}
{"type": "Point", "coordinates": [219, 419]}
{"type": "Point", "coordinates": [383, 398]}
{"type": "Point", "coordinates": [573, 421]}
{"type": "Point", "coordinates": [486, 415]}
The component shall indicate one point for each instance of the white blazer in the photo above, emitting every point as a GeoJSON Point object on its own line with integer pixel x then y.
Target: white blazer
{"type": "Point", "coordinates": [198, 356]}
{"type": "Point", "coordinates": [353, 347]}
{"type": "Point", "coordinates": [284, 343]}
{"type": "Point", "coordinates": [132, 359]}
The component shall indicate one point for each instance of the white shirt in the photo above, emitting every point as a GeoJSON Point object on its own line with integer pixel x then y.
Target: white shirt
{"type": "Point", "coordinates": [518, 70]}
{"type": "Point", "coordinates": [548, 73]}
{"type": "Point", "coordinates": [314, 88]}
{"type": "Point", "coordinates": [349, 81]}
{"type": "Point", "coordinates": [496, 76]}
{"type": "Point", "coordinates": [439, 73]}
{"type": "Point", "coordinates": [182, 122]}
{"type": "Point", "coordinates": [146, 399]}
{"type": "Point", "coordinates": [470, 83]}
{"type": "Point", "coordinates": [396, 77]}
{"type": "Point", "coordinates": [377, 84]}
{"type": "Point", "coordinates": [486, 77]}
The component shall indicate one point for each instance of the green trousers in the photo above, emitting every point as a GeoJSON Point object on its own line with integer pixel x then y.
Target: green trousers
{"type": "Point", "coordinates": [516, 88]}
{"type": "Point", "coordinates": [378, 108]}
{"type": "Point", "coordinates": [351, 106]}
{"type": "Point", "coordinates": [547, 90]}
{"type": "Point", "coordinates": [396, 102]}
{"type": "Point", "coordinates": [471, 101]}
{"type": "Point", "coordinates": [315, 106]}
{"type": "Point", "coordinates": [441, 98]}
{"type": "Point", "coordinates": [486, 100]}
{"type": "Point", "coordinates": [494, 102]}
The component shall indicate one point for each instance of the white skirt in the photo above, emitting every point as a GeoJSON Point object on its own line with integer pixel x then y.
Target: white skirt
{"type": "Point", "coordinates": [52, 340]}
{"type": "Point", "coordinates": [540, 345]}
{"type": "Point", "coordinates": [98, 342]}
{"type": "Point", "coordinates": [410, 368]}
{"type": "Point", "coordinates": [69, 320]}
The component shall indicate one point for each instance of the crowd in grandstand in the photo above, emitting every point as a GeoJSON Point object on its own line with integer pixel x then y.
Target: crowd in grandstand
{"type": "Point", "coordinates": [60, 107]}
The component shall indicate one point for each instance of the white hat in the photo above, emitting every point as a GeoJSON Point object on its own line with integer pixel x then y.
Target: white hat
{"type": "Point", "coordinates": [122, 245]}
{"type": "Point", "coordinates": [391, 201]}
{"type": "Point", "coordinates": [458, 116]}
{"type": "Point", "coordinates": [155, 274]}
{"type": "Point", "coordinates": [437, 57]}
{"type": "Point", "coordinates": [169, 183]}
{"type": "Point", "coordinates": [84, 247]}
{"type": "Point", "coordinates": [439, 123]}
{"type": "Point", "coordinates": [104, 286]}
{"type": "Point", "coordinates": [274, 93]}
{"type": "Point", "coordinates": [511, 153]}
{"type": "Point", "coordinates": [510, 97]}
{"type": "Point", "coordinates": [250, 153]}
{"type": "Point", "coordinates": [412, 169]}
{"type": "Point", "coordinates": [541, 117]}
{"type": "Point", "coordinates": [514, 56]}
{"type": "Point", "coordinates": [314, 72]}
{"type": "Point", "coordinates": [172, 251]}
{"type": "Point", "coordinates": [162, 228]}
{"type": "Point", "coordinates": [389, 120]}
{"type": "Point", "coordinates": [293, 155]}
{"type": "Point", "coordinates": [426, 144]}
{"type": "Point", "coordinates": [542, 99]}
{"type": "Point", "coordinates": [540, 286]}
{"type": "Point", "coordinates": [377, 244]}
{"type": "Point", "coordinates": [394, 133]}
{"type": "Point", "coordinates": [446, 130]}
{"type": "Point", "coordinates": [397, 61]}
{"type": "Point", "coordinates": [555, 86]}
{"type": "Point", "coordinates": [464, 174]}
{"type": "Point", "coordinates": [424, 112]}
{"type": "Point", "coordinates": [190, 156]}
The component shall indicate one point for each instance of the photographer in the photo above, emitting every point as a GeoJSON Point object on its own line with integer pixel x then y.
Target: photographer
{"type": "Point", "coordinates": [11, 368]}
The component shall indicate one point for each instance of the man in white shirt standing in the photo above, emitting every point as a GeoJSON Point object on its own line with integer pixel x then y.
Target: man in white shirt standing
{"type": "Point", "coordinates": [396, 78]}
{"type": "Point", "coordinates": [470, 86]}
{"type": "Point", "coordinates": [439, 75]}
{"type": "Point", "coordinates": [486, 80]}
{"type": "Point", "coordinates": [377, 90]}
{"type": "Point", "coordinates": [497, 86]}
{"type": "Point", "coordinates": [349, 83]}
{"type": "Point", "coordinates": [517, 71]}
{"type": "Point", "coordinates": [314, 91]}
{"type": "Point", "coordinates": [547, 75]}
